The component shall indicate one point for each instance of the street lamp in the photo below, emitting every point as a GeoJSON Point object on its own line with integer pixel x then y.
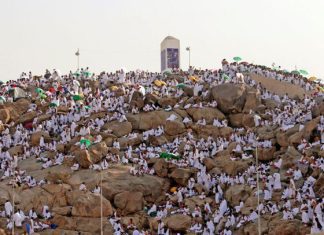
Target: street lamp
{"type": "Point", "coordinates": [258, 188]}
{"type": "Point", "coordinates": [101, 212]}
{"type": "Point", "coordinates": [188, 49]}
{"type": "Point", "coordinates": [78, 55]}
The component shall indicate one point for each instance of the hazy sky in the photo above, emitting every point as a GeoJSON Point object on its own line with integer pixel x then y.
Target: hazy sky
{"type": "Point", "coordinates": [40, 34]}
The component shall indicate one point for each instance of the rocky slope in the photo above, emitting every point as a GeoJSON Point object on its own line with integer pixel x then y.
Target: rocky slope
{"type": "Point", "coordinates": [75, 211]}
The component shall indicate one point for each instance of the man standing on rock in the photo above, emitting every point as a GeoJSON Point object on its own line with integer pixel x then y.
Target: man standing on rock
{"type": "Point", "coordinates": [8, 208]}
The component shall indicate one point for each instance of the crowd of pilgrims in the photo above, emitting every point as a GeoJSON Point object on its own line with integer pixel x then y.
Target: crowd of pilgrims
{"type": "Point", "coordinates": [298, 197]}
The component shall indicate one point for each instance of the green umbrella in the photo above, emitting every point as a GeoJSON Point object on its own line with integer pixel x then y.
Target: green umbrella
{"type": "Point", "coordinates": [42, 96]}
{"type": "Point", "coordinates": [237, 58]}
{"type": "Point", "coordinates": [295, 72]}
{"type": "Point", "coordinates": [39, 90]}
{"type": "Point", "coordinates": [77, 74]}
{"type": "Point", "coordinates": [3, 98]}
{"type": "Point", "coordinates": [181, 85]}
{"type": "Point", "coordinates": [86, 142]}
{"type": "Point", "coordinates": [54, 104]}
{"type": "Point", "coordinates": [86, 73]}
{"type": "Point", "coordinates": [77, 97]}
{"type": "Point", "coordinates": [226, 77]}
{"type": "Point", "coordinates": [169, 156]}
{"type": "Point", "coordinates": [303, 72]}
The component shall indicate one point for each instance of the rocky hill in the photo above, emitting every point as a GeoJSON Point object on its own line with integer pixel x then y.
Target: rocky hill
{"type": "Point", "coordinates": [241, 106]}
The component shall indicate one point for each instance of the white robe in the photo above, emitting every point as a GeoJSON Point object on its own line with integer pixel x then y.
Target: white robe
{"type": "Point", "coordinates": [277, 182]}
{"type": "Point", "coordinates": [8, 208]}
{"type": "Point", "coordinates": [223, 207]}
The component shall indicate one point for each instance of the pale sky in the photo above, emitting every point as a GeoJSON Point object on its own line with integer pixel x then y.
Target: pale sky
{"type": "Point", "coordinates": [114, 34]}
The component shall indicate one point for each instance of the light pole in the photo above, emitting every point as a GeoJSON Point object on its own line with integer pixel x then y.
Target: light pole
{"type": "Point", "coordinates": [258, 189]}
{"type": "Point", "coordinates": [101, 213]}
{"type": "Point", "coordinates": [13, 208]}
{"type": "Point", "coordinates": [78, 55]}
{"type": "Point", "coordinates": [188, 49]}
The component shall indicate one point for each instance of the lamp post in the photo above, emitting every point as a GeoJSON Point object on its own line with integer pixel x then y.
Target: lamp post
{"type": "Point", "coordinates": [13, 208]}
{"type": "Point", "coordinates": [78, 55]}
{"type": "Point", "coordinates": [101, 212]}
{"type": "Point", "coordinates": [258, 189]}
{"type": "Point", "coordinates": [188, 49]}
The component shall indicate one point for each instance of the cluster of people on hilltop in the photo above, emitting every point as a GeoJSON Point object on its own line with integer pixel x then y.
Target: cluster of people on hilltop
{"type": "Point", "coordinates": [85, 93]}
{"type": "Point", "coordinates": [293, 77]}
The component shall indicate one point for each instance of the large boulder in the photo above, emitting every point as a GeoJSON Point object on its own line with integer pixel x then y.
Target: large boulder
{"type": "Point", "coordinates": [236, 119]}
{"type": "Point", "coordinates": [129, 202]}
{"type": "Point", "coordinates": [181, 176]}
{"type": "Point", "coordinates": [310, 127]}
{"type": "Point", "coordinates": [4, 115]}
{"type": "Point", "coordinates": [98, 151]}
{"type": "Point", "coordinates": [248, 121]}
{"type": "Point", "coordinates": [43, 117]}
{"type": "Point", "coordinates": [174, 128]}
{"type": "Point", "coordinates": [282, 139]}
{"type": "Point", "coordinates": [89, 205]}
{"type": "Point", "coordinates": [35, 137]}
{"type": "Point", "coordinates": [265, 133]}
{"type": "Point", "coordinates": [209, 114]}
{"type": "Point", "coordinates": [284, 227]}
{"type": "Point", "coordinates": [21, 106]}
{"type": "Point", "coordinates": [157, 140]}
{"type": "Point", "coordinates": [80, 225]}
{"type": "Point", "coordinates": [161, 167]}
{"type": "Point", "coordinates": [230, 97]}
{"type": "Point", "coordinates": [252, 228]}
{"type": "Point", "coordinates": [57, 174]}
{"type": "Point", "coordinates": [270, 103]}
{"type": "Point", "coordinates": [209, 163]}
{"type": "Point", "coordinates": [318, 109]}
{"type": "Point", "coordinates": [149, 120]}
{"type": "Point", "coordinates": [178, 222]}
{"type": "Point", "coordinates": [137, 100]}
{"type": "Point", "coordinates": [4, 196]}
{"type": "Point", "coordinates": [151, 98]}
{"type": "Point", "coordinates": [266, 154]}
{"type": "Point", "coordinates": [27, 117]}
{"type": "Point", "coordinates": [194, 201]}
{"type": "Point", "coordinates": [16, 150]}
{"type": "Point", "coordinates": [125, 142]}
{"type": "Point", "coordinates": [108, 138]}
{"type": "Point", "coordinates": [291, 158]}
{"type": "Point", "coordinates": [63, 109]}
{"type": "Point", "coordinates": [82, 156]}
{"type": "Point", "coordinates": [253, 100]}
{"type": "Point", "coordinates": [119, 129]}
{"type": "Point", "coordinates": [119, 180]}
{"type": "Point", "coordinates": [236, 193]}
{"type": "Point", "coordinates": [167, 101]}
{"type": "Point", "coordinates": [231, 167]}
{"type": "Point", "coordinates": [34, 198]}
{"type": "Point", "coordinates": [319, 186]}
{"type": "Point", "coordinates": [295, 138]}
{"type": "Point", "coordinates": [210, 130]}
